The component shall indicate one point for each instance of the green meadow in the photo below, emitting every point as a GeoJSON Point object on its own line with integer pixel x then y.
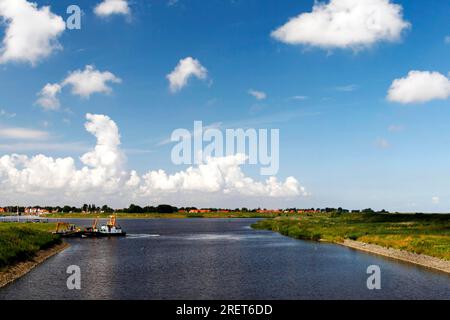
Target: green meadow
{"type": "Point", "coordinates": [419, 233]}
{"type": "Point", "coordinates": [21, 242]}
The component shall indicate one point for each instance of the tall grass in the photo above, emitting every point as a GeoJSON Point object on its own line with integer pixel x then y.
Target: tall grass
{"type": "Point", "coordinates": [21, 242]}
{"type": "Point", "coordinates": [419, 233]}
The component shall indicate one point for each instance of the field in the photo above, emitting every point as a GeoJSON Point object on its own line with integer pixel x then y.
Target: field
{"type": "Point", "coordinates": [21, 242]}
{"type": "Point", "coordinates": [427, 234]}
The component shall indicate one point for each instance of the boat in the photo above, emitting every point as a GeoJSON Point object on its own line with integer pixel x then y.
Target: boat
{"type": "Point", "coordinates": [67, 230]}
{"type": "Point", "coordinates": [111, 229]}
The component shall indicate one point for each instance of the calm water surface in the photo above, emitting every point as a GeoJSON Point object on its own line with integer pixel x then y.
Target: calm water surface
{"type": "Point", "coordinates": [219, 259]}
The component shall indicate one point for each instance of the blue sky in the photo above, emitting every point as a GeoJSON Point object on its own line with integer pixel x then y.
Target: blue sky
{"type": "Point", "coordinates": [344, 141]}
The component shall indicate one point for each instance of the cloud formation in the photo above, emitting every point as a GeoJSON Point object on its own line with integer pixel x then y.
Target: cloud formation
{"type": "Point", "coordinates": [48, 99]}
{"type": "Point", "coordinates": [298, 97]}
{"type": "Point", "coordinates": [419, 87]}
{"type": "Point", "coordinates": [31, 33]}
{"type": "Point", "coordinates": [6, 114]}
{"type": "Point", "coordinates": [22, 133]}
{"type": "Point", "coordinates": [258, 95]}
{"type": "Point", "coordinates": [86, 82]}
{"type": "Point", "coordinates": [112, 7]}
{"type": "Point", "coordinates": [103, 175]}
{"type": "Point", "coordinates": [347, 88]}
{"type": "Point", "coordinates": [219, 174]}
{"type": "Point", "coordinates": [83, 83]}
{"type": "Point", "coordinates": [344, 24]}
{"type": "Point", "coordinates": [435, 200]}
{"type": "Point", "coordinates": [186, 68]}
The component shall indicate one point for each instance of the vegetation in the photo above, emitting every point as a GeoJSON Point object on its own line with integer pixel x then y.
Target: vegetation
{"type": "Point", "coordinates": [420, 233]}
{"type": "Point", "coordinates": [105, 210]}
{"type": "Point", "coordinates": [157, 215]}
{"type": "Point", "coordinates": [21, 242]}
{"type": "Point", "coordinates": [162, 208]}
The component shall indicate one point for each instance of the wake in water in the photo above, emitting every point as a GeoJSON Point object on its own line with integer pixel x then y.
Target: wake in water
{"type": "Point", "coordinates": [221, 237]}
{"type": "Point", "coordinates": [142, 236]}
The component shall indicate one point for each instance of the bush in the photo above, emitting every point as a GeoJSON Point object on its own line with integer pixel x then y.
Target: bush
{"type": "Point", "coordinates": [353, 236]}
{"type": "Point", "coordinates": [316, 237]}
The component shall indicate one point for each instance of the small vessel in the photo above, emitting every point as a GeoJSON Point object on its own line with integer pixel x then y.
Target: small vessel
{"type": "Point", "coordinates": [111, 229]}
{"type": "Point", "coordinates": [67, 230]}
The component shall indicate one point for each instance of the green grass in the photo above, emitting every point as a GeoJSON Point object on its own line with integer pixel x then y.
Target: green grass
{"type": "Point", "coordinates": [21, 242]}
{"type": "Point", "coordinates": [420, 233]}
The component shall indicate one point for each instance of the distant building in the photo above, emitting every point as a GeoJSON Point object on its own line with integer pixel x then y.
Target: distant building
{"type": "Point", "coordinates": [36, 211]}
{"type": "Point", "coordinates": [199, 211]}
{"type": "Point", "coordinates": [268, 211]}
{"type": "Point", "coordinates": [302, 211]}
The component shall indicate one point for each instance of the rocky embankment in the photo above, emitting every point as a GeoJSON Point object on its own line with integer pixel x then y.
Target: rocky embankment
{"type": "Point", "coordinates": [419, 259]}
{"type": "Point", "coordinates": [18, 270]}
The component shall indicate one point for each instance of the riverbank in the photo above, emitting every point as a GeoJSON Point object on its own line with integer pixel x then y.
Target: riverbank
{"type": "Point", "coordinates": [19, 269]}
{"type": "Point", "coordinates": [415, 238]}
{"type": "Point", "coordinates": [419, 259]}
{"type": "Point", "coordinates": [23, 246]}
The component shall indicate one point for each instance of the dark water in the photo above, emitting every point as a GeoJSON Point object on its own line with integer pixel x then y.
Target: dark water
{"type": "Point", "coordinates": [219, 259]}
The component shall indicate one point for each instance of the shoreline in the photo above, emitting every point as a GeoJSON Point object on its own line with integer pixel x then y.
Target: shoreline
{"type": "Point", "coordinates": [401, 255]}
{"type": "Point", "coordinates": [20, 269]}
{"type": "Point", "coordinates": [141, 217]}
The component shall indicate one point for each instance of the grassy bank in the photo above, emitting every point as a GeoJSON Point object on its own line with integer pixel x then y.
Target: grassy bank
{"type": "Point", "coordinates": [21, 242]}
{"type": "Point", "coordinates": [418, 233]}
{"type": "Point", "coordinates": [119, 215]}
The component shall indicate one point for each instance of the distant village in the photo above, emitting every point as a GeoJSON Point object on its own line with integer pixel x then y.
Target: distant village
{"type": "Point", "coordinates": [164, 208]}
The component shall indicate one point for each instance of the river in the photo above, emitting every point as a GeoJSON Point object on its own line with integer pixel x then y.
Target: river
{"type": "Point", "coordinates": [219, 259]}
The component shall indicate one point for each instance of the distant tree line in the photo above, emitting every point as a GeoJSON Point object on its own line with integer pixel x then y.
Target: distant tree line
{"type": "Point", "coordinates": [162, 208]}
{"type": "Point", "coordinates": [165, 208]}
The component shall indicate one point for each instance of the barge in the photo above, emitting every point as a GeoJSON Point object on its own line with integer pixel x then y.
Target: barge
{"type": "Point", "coordinates": [111, 229]}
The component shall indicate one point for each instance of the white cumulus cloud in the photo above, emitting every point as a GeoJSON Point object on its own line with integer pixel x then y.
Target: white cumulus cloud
{"type": "Point", "coordinates": [83, 83]}
{"type": "Point", "coordinates": [186, 68]}
{"type": "Point", "coordinates": [419, 87]}
{"type": "Point", "coordinates": [103, 175]}
{"type": "Point", "coordinates": [111, 7]}
{"type": "Point", "coordinates": [31, 33]}
{"type": "Point", "coordinates": [88, 81]}
{"type": "Point", "coordinates": [219, 174]}
{"type": "Point", "coordinates": [345, 24]}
